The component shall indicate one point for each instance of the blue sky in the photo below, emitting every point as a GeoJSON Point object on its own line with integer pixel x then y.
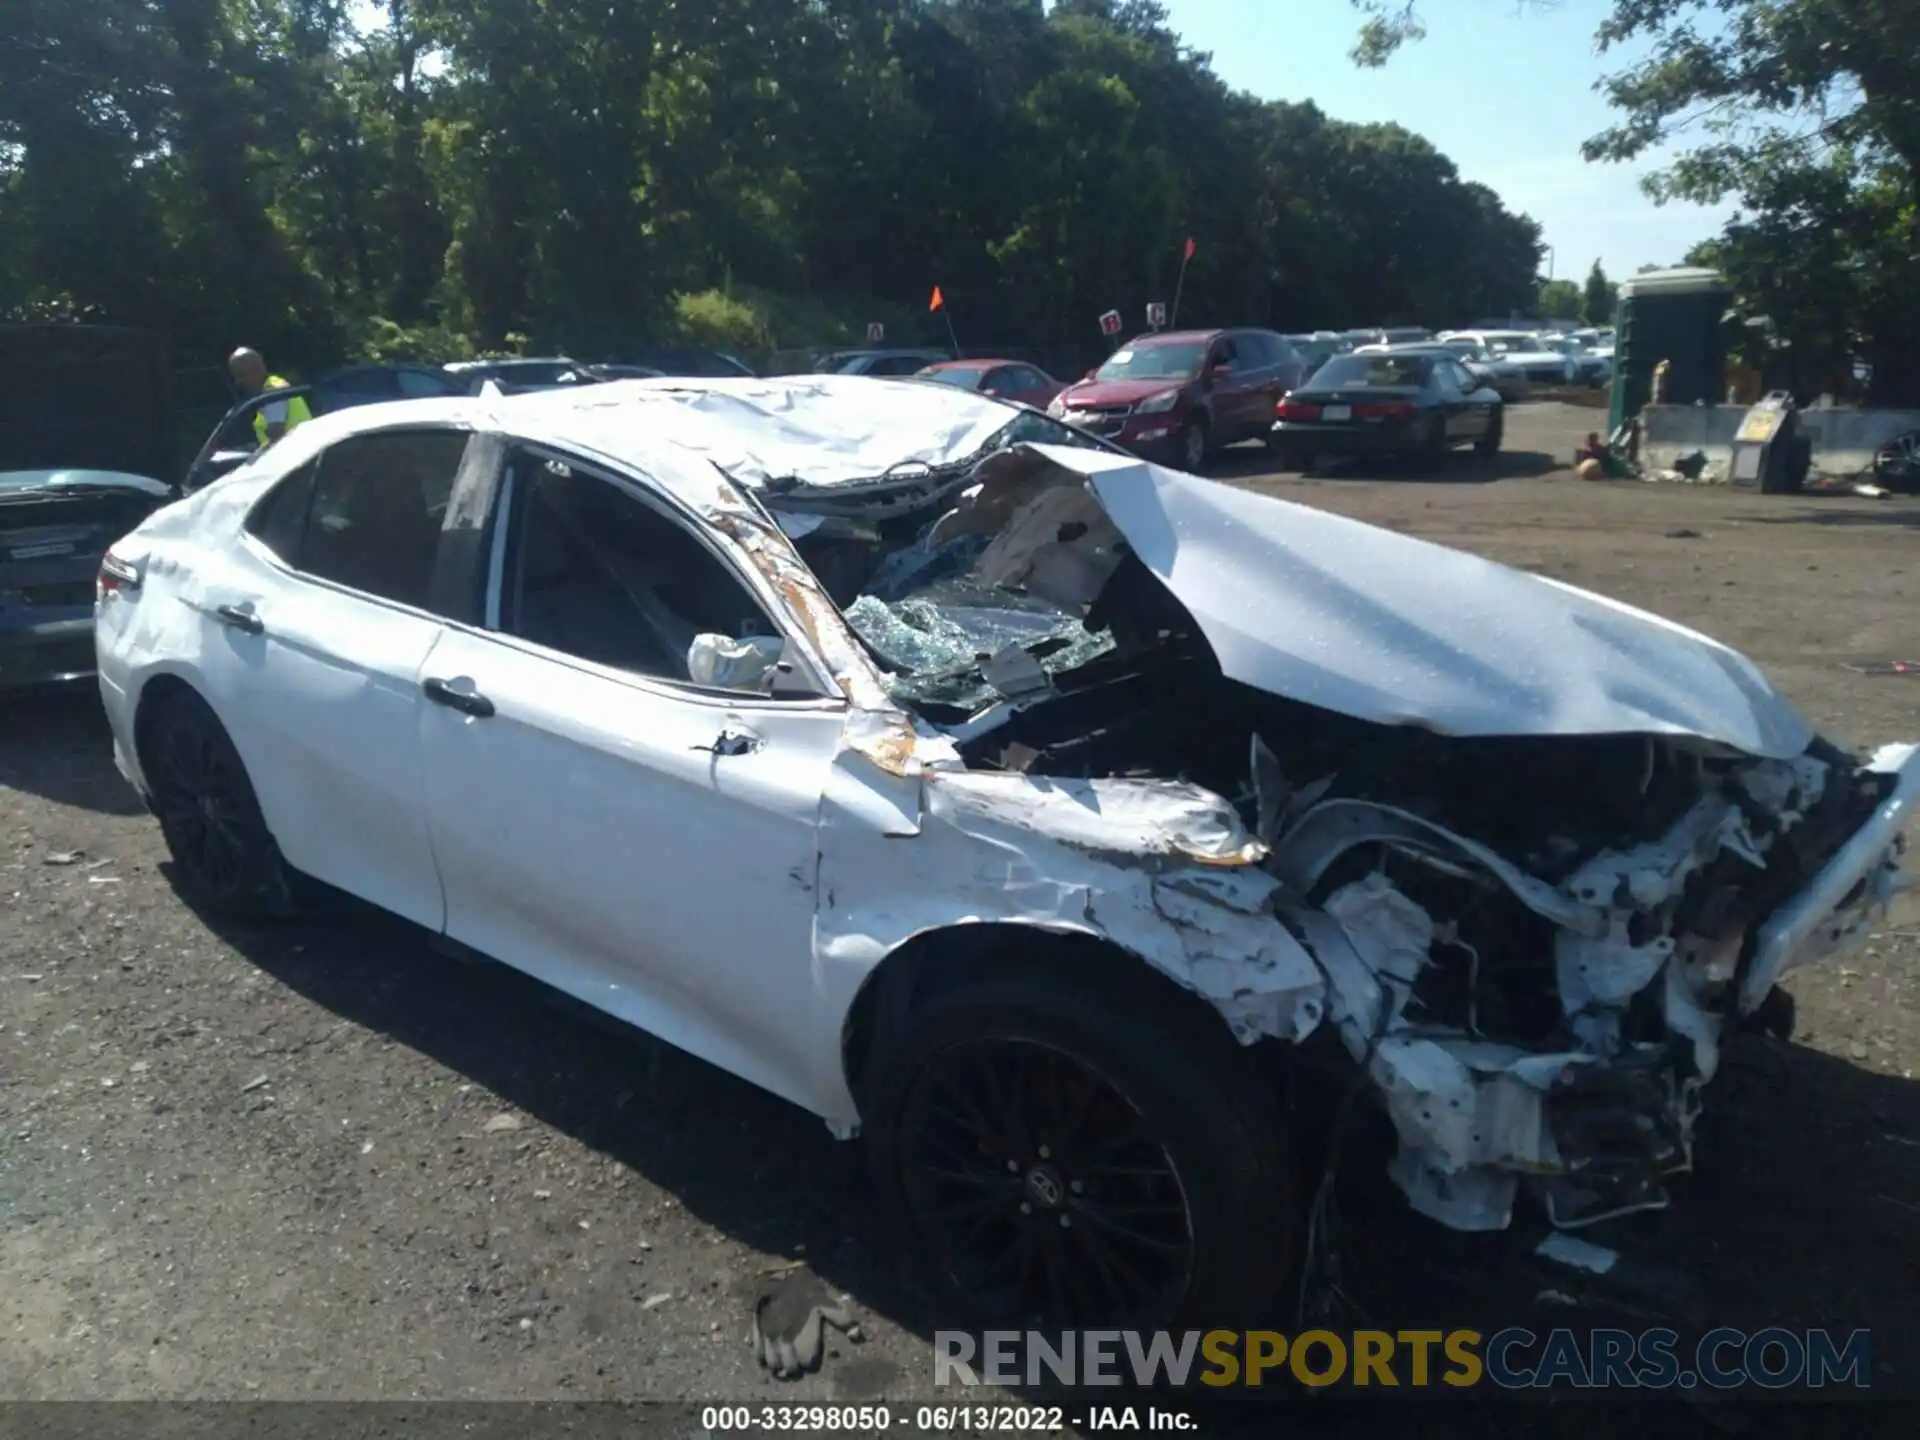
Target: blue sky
{"type": "Point", "coordinates": [1502, 88]}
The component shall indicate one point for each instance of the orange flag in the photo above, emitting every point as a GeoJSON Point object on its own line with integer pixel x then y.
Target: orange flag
{"type": "Point", "coordinates": [937, 301]}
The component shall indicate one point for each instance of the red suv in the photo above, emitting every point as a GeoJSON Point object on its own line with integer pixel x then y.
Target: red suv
{"type": "Point", "coordinates": [1178, 396]}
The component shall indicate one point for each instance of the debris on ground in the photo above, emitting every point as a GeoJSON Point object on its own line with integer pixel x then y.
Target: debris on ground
{"type": "Point", "coordinates": [790, 1320]}
{"type": "Point", "coordinates": [1605, 460]}
{"type": "Point", "coordinates": [62, 857]}
{"type": "Point", "coordinates": [1884, 667]}
{"type": "Point", "coordinates": [254, 1084]}
{"type": "Point", "coordinates": [1681, 532]}
{"type": "Point", "coordinates": [501, 1122]}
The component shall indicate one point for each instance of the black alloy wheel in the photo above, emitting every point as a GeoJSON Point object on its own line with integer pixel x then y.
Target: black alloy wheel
{"type": "Point", "coordinates": [225, 857]}
{"type": "Point", "coordinates": [1041, 1188]}
{"type": "Point", "coordinates": [1076, 1148]}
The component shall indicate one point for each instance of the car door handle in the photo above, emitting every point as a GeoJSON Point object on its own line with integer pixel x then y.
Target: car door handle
{"type": "Point", "coordinates": [467, 702]}
{"type": "Point", "coordinates": [732, 741]}
{"type": "Point", "coordinates": [240, 617]}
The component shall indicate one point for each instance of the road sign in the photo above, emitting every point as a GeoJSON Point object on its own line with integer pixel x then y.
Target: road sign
{"type": "Point", "coordinates": [876, 332]}
{"type": "Point", "coordinates": [1157, 315]}
{"type": "Point", "coordinates": [1110, 323]}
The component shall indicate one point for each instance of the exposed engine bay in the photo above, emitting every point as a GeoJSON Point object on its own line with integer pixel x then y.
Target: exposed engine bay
{"type": "Point", "coordinates": [1532, 944]}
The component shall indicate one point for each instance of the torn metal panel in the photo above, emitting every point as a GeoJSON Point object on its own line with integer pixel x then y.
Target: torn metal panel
{"type": "Point", "coordinates": [1829, 912]}
{"type": "Point", "coordinates": [1162, 871]}
{"type": "Point", "coordinates": [1591, 1124]}
{"type": "Point", "coordinates": [1332, 829]}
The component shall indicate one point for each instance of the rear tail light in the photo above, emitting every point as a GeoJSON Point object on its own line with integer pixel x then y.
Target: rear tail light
{"type": "Point", "coordinates": [1291, 409]}
{"type": "Point", "coordinates": [117, 574]}
{"type": "Point", "coordinates": [1385, 410]}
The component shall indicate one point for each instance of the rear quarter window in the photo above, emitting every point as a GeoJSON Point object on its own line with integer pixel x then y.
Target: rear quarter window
{"type": "Point", "coordinates": [279, 518]}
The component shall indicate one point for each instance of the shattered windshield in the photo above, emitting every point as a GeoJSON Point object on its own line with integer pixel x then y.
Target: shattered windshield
{"type": "Point", "coordinates": [983, 594]}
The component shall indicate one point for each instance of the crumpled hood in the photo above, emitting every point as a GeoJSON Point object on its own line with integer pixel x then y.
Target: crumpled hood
{"type": "Point", "coordinates": [1369, 623]}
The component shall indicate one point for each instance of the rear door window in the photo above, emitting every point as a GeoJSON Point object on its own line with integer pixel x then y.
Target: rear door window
{"type": "Point", "coordinates": [279, 520]}
{"type": "Point", "coordinates": [374, 512]}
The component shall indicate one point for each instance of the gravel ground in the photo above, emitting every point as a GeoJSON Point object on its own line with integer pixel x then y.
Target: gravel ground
{"type": "Point", "coordinates": [327, 1161]}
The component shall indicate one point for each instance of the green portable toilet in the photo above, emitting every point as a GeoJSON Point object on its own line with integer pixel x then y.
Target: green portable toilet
{"type": "Point", "coordinates": [1671, 315]}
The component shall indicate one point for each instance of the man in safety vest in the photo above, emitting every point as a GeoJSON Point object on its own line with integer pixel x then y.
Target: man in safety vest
{"type": "Point", "coordinates": [276, 417]}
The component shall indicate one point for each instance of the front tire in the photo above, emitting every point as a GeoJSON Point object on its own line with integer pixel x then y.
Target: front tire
{"type": "Point", "coordinates": [1062, 1159]}
{"type": "Point", "coordinates": [225, 859]}
{"type": "Point", "coordinates": [1194, 445]}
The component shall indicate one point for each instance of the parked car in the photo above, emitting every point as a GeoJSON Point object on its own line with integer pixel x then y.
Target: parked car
{"type": "Point", "coordinates": [1315, 349]}
{"type": "Point", "coordinates": [938, 852]}
{"type": "Point", "coordinates": [1597, 341]}
{"type": "Point", "coordinates": [370, 384]}
{"type": "Point", "coordinates": [687, 361]}
{"type": "Point", "coordinates": [513, 376]}
{"type": "Point", "coordinates": [1418, 405]}
{"type": "Point", "coordinates": [232, 442]}
{"type": "Point", "coordinates": [1540, 364]}
{"type": "Point", "coordinates": [624, 372]}
{"type": "Point", "coordinates": [55, 525]}
{"type": "Point", "coordinates": [1180, 395]}
{"type": "Point", "coordinates": [1002, 379]}
{"type": "Point", "coordinates": [879, 362]}
{"type": "Point", "coordinates": [1589, 369]}
{"type": "Point", "coordinates": [1508, 380]}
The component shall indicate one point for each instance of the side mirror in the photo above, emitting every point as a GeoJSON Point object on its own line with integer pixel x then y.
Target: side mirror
{"type": "Point", "coordinates": [1089, 375]}
{"type": "Point", "coordinates": [722, 663]}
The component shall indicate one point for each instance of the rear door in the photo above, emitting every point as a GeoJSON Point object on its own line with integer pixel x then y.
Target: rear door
{"type": "Point", "coordinates": [314, 638]}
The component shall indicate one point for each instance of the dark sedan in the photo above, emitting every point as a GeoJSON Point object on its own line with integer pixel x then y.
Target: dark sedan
{"type": "Point", "coordinates": [55, 525]}
{"type": "Point", "coordinates": [1387, 404]}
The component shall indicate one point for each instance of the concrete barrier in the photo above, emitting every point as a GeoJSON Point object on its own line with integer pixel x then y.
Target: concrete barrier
{"type": "Point", "coordinates": [1844, 440]}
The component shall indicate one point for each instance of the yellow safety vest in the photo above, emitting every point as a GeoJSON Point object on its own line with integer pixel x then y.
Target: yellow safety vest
{"type": "Point", "coordinates": [288, 412]}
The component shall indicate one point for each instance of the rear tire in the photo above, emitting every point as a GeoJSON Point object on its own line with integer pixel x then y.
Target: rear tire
{"type": "Point", "coordinates": [1065, 1159]}
{"type": "Point", "coordinates": [225, 859]}
{"type": "Point", "coordinates": [1285, 456]}
{"type": "Point", "coordinates": [1489, 443]}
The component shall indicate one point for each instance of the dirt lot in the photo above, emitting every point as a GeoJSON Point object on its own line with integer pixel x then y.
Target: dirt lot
{"type": "Point", "coordinates": [326, 1161]}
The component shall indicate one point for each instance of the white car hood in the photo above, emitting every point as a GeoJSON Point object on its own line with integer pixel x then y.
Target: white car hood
{"type": "Point", "coordinates": [1373, 624]}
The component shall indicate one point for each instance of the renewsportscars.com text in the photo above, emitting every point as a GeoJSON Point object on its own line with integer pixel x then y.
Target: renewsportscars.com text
{"type": "Point", "coordinates": [1511, 1359]}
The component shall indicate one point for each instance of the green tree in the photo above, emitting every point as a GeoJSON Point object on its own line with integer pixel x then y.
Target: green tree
{"type": "Point", "coordinates": [1559, 300]}
{"type": "Point", "coordinates": [1597, 302]}
{"type": "Point", "coordinates": [1806, 113]}
{"type": "Point", "coordinates": [324, 179]}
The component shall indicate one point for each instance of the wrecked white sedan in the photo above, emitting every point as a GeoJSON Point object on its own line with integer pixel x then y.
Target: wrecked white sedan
{"type": "Point", "coordinates": [1003, 797]}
